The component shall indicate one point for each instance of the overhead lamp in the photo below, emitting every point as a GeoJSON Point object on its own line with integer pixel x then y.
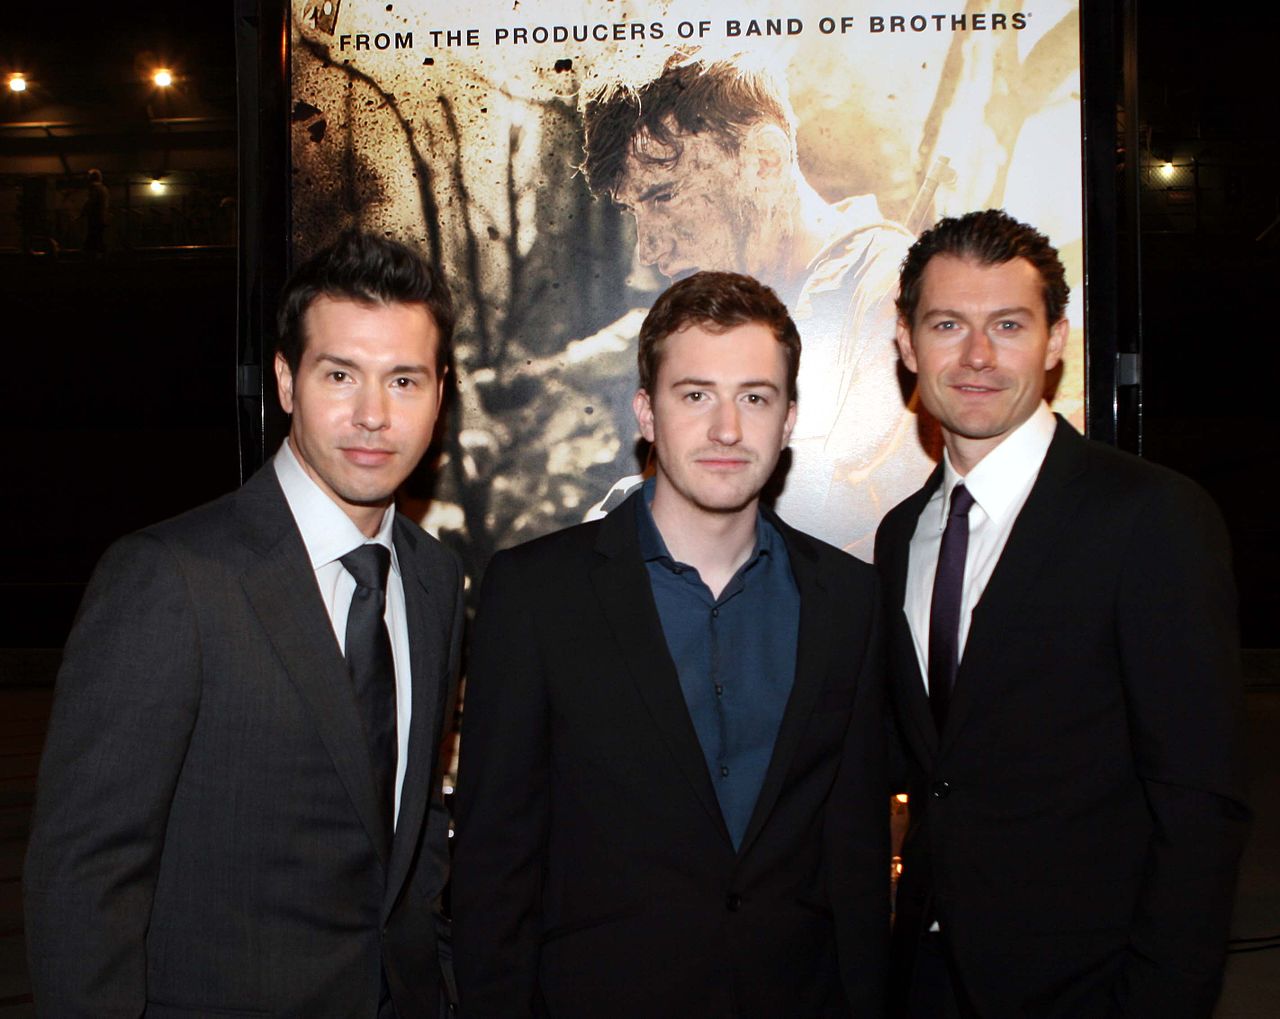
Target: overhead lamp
{"type": "Point", "coordinates": [156, 185]}
{"type": "Point", "coordinates": [163, 77]}
{"type": "Point", "coordinates": [17, 82]}
{"type": "Point", "coordinates": [1166, 170]}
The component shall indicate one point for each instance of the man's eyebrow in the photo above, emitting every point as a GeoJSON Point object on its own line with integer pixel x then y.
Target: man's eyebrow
{"type": "Point", "coordinates": [1016, 309]}
{"type": "Point", "coordinates": [652, 190]}
{"type": "Point", "coordinates": [712, 384]}
{"type": "Point", "coordinates": [399, 369]}
{"type": "Point", "coordinates": [341, 362]}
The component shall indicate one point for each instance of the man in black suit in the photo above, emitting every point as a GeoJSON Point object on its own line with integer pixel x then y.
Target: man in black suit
{"type": "Point", "coordinates": [233, 819]}
{"type": "Point", "coordinates": [671, 800]}
{"type": "Point", "coordinates": [1065, 676]}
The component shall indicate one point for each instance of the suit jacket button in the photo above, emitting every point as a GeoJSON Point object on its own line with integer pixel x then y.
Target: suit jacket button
{"type": "Point", "coordinates": [941, 789]}
{"type": "Point", "coordinates": [732, 902]}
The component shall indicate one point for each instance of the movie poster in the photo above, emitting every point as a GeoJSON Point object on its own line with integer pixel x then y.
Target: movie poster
{"type": "Point", "coordinates": [565, 161]}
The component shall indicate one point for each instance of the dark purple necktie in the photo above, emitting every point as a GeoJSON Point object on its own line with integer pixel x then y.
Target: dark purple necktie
{"type": "Point", "coordinates": [373, 670]}
{"type": "Point", "coordinates": [944, 611]}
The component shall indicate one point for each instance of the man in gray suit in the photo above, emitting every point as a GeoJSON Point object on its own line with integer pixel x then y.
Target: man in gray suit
{"type": "Point", "coordinates": [238, 808]}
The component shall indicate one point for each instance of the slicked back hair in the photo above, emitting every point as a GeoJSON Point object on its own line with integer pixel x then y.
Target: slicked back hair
{"type": "Point", "coordinates": [718, 302]}
{"type": "Point", "coordinates": [990, 237]}
{"type": "Point", "coordinates": [722, 99]}
{"type": "Point", "coordinates": [371, 269]}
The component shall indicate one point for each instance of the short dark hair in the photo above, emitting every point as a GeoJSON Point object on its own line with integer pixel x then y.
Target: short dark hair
{"type": "Point", "coordinates": [717, 301]}
{"type": "Point", "coordinates": [990, 237]}
{"type": "Point", "coordinates": [369, 268]}
{"type": "Point", "coordinates": [719, 98]}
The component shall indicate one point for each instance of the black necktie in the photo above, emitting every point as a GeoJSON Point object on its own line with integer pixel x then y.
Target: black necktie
{"type": "Point", "coordinates": [944, 611]}
{"type": "Point", "coordinates": [373, 671]}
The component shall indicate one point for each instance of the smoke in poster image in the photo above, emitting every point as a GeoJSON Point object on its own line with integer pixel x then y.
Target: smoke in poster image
{"type": "Point", "coordinates": [565, 181]}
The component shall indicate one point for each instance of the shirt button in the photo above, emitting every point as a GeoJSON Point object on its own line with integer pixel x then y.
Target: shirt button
{"type": "Point", "coordinates": [941, 790]}
{"type": "Point", "coordinates": [719, 689]}
{"type": "Point", "coordinates": [724, 771]}
{"type": "Point", "coordinates": [715, 613]}
{"type": "Point", "coordinates": [732, 901]}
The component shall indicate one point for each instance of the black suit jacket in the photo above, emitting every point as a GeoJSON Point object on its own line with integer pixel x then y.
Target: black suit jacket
{"type": "Point", "coordinates": [1076, 826]}
{"type": "Point", "coordinates": [206, 837]}
{"type": "Point", "coordinates": [594, 875]}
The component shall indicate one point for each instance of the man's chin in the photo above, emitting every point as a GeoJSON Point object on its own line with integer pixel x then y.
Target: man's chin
{"type": "Point", "coordinates": [676, 275]}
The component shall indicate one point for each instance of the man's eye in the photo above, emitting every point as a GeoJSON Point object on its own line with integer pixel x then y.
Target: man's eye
{"type": "Point", "coordinates": [946, 325]}
{"type": "Point", "coordinates": [338, 375]}
{"type": "Point", "coordinates": [1008, 326]}
{"type": "Point", "coordinates": [404, 382]}
{"type": "Point", "coordinates": [697, 396]}
{"type": "Point", "coordinates": [755, 399]}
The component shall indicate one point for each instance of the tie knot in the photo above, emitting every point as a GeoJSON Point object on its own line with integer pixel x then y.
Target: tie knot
{"type": "Point", "coordinates": [961, 501]}
{"type": "Point", "coordinates": [369, 565]}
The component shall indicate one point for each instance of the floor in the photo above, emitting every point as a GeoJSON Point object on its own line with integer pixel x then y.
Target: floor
{"type": "Point", "coordinates": [1252, 988]}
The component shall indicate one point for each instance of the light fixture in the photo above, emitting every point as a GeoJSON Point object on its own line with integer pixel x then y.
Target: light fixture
{"type": "Point", "coordinates": [17, 82]}
{"type": "Point", "coordinates": [163, 77]}
{"type": "Point", "coordinates": [156, 185]}
{"type": "Point", "coordinates": [1166, 170]}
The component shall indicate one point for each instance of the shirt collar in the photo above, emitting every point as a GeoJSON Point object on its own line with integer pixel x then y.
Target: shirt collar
{"type": "Point", "coordinates": [1006, 472]}
{"type": "Point", "coordinates": [327, 532]}
{"type": "Point", "coordinates": [654, 549]}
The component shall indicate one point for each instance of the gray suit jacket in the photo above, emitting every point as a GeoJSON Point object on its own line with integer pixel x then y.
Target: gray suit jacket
{"type": "Point", "coordinates": [205, 838]}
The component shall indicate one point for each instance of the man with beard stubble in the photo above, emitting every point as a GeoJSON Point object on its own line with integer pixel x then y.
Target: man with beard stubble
{"type": "Point", "coordinates": [671, 798]}
{"type": "Point", "coordinates": [704, 158]}
{"type": "Point", "coordinates": [1065, 675]}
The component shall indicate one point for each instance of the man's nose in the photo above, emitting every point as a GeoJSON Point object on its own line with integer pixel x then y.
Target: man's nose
{"type": "Point", "coordinates": [652, 242]}
{"type": "Point", "coordinates": [370, 411]}
{"type": "Point", "coordinates": [979, 352]}
{"type": "Point", "coordinates": [726, 424]}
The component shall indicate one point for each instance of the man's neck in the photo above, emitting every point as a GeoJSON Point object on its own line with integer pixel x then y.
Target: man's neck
{"type": "Point", "coordinates": [715, 544]}
{"type": "Point", "coordinates": [965, 454]}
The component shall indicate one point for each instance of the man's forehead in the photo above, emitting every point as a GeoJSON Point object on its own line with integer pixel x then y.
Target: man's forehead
{"type": "Point", "coordinates": [947, 273]}
{"type": "Point", "coordinates": [645, 168]}
{"type": "Point", "coordinates": [966, 286]}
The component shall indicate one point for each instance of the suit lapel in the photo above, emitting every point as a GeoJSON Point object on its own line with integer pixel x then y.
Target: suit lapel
{"type": "Point", "coordinates": [281, 587]}
{"type": "Point", "coordinates": [1033, 538]}
{"type": "Point", "coordinates": [621, 585]}
{"type": "Point", "coordinates": [813, 655]}
{"type": "Point", "coordinates": [893, 550]}
{"type": "Point", "coordinates": [429, 621]}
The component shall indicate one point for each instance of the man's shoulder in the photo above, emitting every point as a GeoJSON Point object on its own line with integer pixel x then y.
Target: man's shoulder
{"type": "Point", "coordinates": [203, 527]}
{"type": "Point", "coordinates": [564, 547]}
{"type": "Point", "coordinates": [899, 523]}
{"type": "Point", "coordinates": [429, 550]}
{"type": "Point", "coordinates": [222, 530]}
{"type": "Point", "coordinates": [828, 559]}
{"type": "Point", "coordinates": [1123, 480]}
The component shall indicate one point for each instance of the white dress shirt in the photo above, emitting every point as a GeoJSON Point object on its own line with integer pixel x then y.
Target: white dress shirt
{"type": "Point", "coordinates": [999, 484]}
{"type": "Point", "coordinates": [329, 534]}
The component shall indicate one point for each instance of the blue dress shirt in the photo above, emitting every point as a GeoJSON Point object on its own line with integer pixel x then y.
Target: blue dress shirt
{"type": "Point", "coordinates": [735, 656]}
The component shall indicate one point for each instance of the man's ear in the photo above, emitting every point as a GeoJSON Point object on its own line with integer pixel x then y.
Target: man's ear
{"type": "Point", "coordinates": [284, 383]}
{"type": "Point", "coordinates": [908, 353]}
{"type": "Point", "coordinates": [643, 408]}
{"type": "Point", "coordinates": [765, 153]}
{"type": "Point", "coordinates": [1058, 334]}
{"type": "Point", "coordinates": [789, 425]}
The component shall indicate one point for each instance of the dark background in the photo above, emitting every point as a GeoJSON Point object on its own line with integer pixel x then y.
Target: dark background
{"type": "Point", "coordinates": [120, 395]}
